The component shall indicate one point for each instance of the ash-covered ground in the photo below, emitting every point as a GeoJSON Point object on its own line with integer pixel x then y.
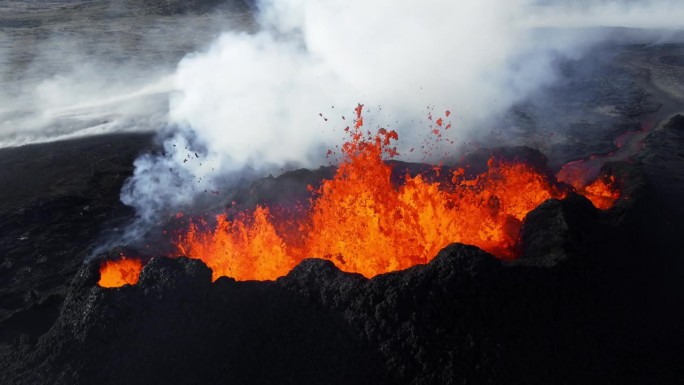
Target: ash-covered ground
{"type": "Point", "coordinates": [77, 68]}
{"type": "Point", "coordinates": [597, 296]}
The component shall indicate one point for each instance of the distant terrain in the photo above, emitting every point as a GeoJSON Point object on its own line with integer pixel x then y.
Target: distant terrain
{"type": "Point", "coordinates": [611, 309]}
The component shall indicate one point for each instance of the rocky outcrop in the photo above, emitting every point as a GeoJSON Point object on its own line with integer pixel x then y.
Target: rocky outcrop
{"type": "Point", "coordinates": [465, 317]}
{"type": "Point", "coordinates": [675, 123]}
{"type": "Point", "coordinates": [591, 291]}
{"type": "Point", "coordinates": [60, 198]}
{"type": "Point", "coordinates": [557, 229]}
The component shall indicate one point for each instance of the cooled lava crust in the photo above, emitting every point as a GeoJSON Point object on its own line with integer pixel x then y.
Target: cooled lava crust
{"type": "Point", "coordinates": [594, 299]}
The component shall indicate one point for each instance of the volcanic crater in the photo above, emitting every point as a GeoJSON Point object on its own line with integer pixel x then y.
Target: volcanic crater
{"type": "Point", "coordinates": [590, 288]}
{"type": "Point", "coordinates": [586, 288]}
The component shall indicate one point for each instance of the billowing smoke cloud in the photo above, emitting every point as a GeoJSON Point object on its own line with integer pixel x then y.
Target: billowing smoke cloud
{"type": "Point", "coordinates": [65, 106]}
{"type": "Point", "coordinates": [254, 101]}
{"type": "Point", "coordinates": [63, 92]}
{"type": "Point", "coordinates": [274, 97]}
{"type": "Point", "coordinates": [607, 13]}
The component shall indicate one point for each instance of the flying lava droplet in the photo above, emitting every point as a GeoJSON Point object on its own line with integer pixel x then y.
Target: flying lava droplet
{"type": "Point", "coordinates": [120, 272]}
{"type": "Point", "coordinates": [365, 223]}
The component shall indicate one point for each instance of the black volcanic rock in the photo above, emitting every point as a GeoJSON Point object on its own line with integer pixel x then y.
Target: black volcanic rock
{"type": "Point", "coordinates": [320, 280]}
{"type": "Point", "coordinates": [463, 317]}
{"type": "Point", "coordinates": [675, 123]}
{"type": "Point", "coordinates": [556, 229]}
{"type": "Point", "coordinates": [59, 198]}
{"type": "Point", "coordinates": [164, 274]}
{"type": "Point", "coordinates": [290, 189]}
{"type": "Point", "coordinates": [570, 302]}
{"type": "Point", "coordinates": [286, 190]}
{"type": "Point", "coordinates": [476, 162]}
{"type": "Point", "coordinates": [175, 7]}
{"type": "Point", "coordinates": [603, 305]}
{"type": "Point", "coordinates": [174, 326]}
{"type": "Point", "coordinates": [661, 161]}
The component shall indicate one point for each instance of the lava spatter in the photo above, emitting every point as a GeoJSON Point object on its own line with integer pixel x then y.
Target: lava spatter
{"type": "Point", "coordinates": [364, 223]}
{"type": "Point", "coordinates": [120, 272]}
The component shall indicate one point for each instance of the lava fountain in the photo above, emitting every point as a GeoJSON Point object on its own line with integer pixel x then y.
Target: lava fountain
{"type": "Point", "coordinates": [120, 272]}
{"type": "Point", "coordinates": [364, 223]}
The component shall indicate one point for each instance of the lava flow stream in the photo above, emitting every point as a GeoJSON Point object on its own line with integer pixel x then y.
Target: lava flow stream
{"type": "Point", "coordinates": [365, 224]}
{"type": "Point", "coordinates": [120, 272]}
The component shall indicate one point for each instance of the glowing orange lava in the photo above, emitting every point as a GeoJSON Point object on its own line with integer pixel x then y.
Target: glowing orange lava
{"type": "Point", "coordinates": [602, 192]}
{"type": "Point", "coordinates": [248, 247]}
{"type": "Point", "coordinates": [366, 224]}
{"type": "Point", "coordinates": [120, 272]}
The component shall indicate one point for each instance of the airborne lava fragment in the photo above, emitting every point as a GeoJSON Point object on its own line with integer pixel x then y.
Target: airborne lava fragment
{"type": "Point", "coordinates": [364, 223]}
{"type": "Point", "coordinates": [120, 272]}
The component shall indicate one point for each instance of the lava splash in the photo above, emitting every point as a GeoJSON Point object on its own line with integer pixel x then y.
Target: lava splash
{"type": "Point", "coordinates": [120, 272]}
{"type": "Point", "coordinates": [364, 223]}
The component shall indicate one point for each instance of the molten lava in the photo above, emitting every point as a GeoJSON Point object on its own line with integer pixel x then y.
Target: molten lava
{"type": "Point", "coordinates": [602, 192]}
{"type": "Point", "coordinates": [120, 272]}
{"type": "Point", "coordinates": [246, 248]}
{"type": "Point", "coordinates": [366, 224]}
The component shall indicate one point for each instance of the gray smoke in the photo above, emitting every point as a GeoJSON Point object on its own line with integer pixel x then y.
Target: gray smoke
{"type": "Point", "coordinates": [274, 95]}
{"type": "Point", "coordinates": [76, 68]}
{"type": "Point", "coordinates": [255, 100]}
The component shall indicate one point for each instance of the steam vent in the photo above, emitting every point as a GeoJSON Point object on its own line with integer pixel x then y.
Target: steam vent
{"type": "Point", "coordinates": [320, 192]}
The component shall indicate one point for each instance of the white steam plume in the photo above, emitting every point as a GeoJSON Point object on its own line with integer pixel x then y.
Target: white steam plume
{"type": "Point", "coordinates": [608, 13]}
{"type": "Point", "coordinates": [253, 100]}
{"type": "Point", "coordinates": [85, 71]}
{"type": "Point", "coordinates": [64, 92]}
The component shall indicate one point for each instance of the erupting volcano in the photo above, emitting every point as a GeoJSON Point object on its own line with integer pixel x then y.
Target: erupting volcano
{"type": "Point", "coordinates": [364, 223]}
{"type": "Point", "coordinates": [183, 203]}
{"type": "Point", "coordinates": [120, 272]}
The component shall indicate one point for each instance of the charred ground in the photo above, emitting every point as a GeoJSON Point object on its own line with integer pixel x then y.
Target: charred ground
{"type": "Point", "coordinates": [596, 290]}
{"type": "Point", "coordinates": [57, 200]}
{"type": "Point", "coordinates": [597, 296]}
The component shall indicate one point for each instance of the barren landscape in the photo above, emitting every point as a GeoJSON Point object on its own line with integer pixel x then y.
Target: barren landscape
{"type": "Point", "coordinates": [587, 294]}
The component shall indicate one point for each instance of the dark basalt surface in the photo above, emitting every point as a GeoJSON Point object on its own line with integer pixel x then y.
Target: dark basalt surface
{"type": "Point", "coordinates": [464, 317]}
{"type": "Point", "coordinates": [175, 7]}
{"type": "Point", "coordinates": [596, 298]}
{"type": "Point", "coordinates": [57, 200]}
{"type": "Point", "coordinates": [614, 87]}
